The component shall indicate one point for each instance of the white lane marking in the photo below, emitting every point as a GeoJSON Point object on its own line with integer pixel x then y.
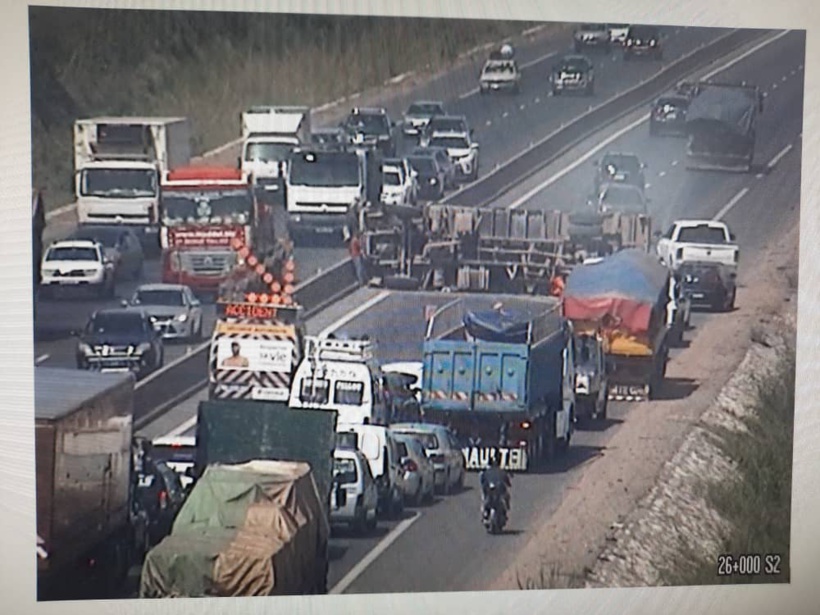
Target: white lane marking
{"type": "Point", "coordinates": [783, 78]}
{"type": "Point", "coordinates": [648, 185]}
{"type": "Point", "coordinates": [181, 429]}
{"type": "Point", "coordinates": [759, 176]}
{"type": "Point", "coordinates": [774, 86]}
{"type": "Point", "coordinates": [42, 359]}
{"type": "Point", "coordinates": [354, 313]}
{"type": "Point", "coordinates": [468, 94]}
{"type": "Point", "coordinates": [505, 114]}
{"type": "Point", "coordinates": [730, 204]}
{"type": "Point", "coordinates": [489, 123]}
{"type": "Point", "coordinates": [537, 100]}
{"type": "Point", "coordinates": [522, 107]}
{"type": "Point", "coordinates": [662, 173]}
{"type": "Point", "coordinates": [368, 559]}
{"type": "Point", "coordinates": [779, 156]}
{"type": "Point", "coordinates": [578, 162]}
{"type": "Point", "coordinates": [551, 180]}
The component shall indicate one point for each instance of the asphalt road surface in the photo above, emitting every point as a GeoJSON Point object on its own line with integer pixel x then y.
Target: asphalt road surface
{"type": "Point", "coordinates": [443, 546]}
{"type": "Point", "coordinates": [504, 124]}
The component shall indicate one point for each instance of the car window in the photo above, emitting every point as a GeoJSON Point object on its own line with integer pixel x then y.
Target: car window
{"type": "Point", "coordinates": [344, 471]}
{"type": "Point", "coordinates": [702, 234]}
{"type": "Point", "coordinates": [171, 480]}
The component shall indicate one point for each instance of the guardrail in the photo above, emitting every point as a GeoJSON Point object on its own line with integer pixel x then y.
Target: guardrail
{"type": "Point", "coordinates": [189, 374]}
{"type": "Point", "coordinates": [555, 145]}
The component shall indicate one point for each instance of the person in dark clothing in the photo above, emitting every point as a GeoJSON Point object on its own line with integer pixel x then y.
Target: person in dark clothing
{"type": "Point", "coordinates": [494, 474]}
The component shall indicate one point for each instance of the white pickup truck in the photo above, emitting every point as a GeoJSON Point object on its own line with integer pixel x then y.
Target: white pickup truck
{"type": "Point", "coordinates": [704, 241]}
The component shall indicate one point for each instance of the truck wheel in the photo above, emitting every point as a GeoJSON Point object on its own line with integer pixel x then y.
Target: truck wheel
{"type": "Point", "coordinates": [603, 410]}
{"type": "Point", "coordinates": [370, 523]}
{"type": "Point", "coordinates": [730, 304]}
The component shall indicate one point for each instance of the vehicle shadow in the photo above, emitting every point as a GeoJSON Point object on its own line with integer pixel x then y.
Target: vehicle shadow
{"type": "Point", "coordinates": [335, 552]}
{"type": "Point", "coordinates": [597, 426]}
{"type": "Point", "coordinates": [574, 457]}
{"type": "Point", "coordinates": [508, 532]}
{"type": "Point", "coordinates": [676, 389]}
{"type": "Point", "coordinates": [382, 529]}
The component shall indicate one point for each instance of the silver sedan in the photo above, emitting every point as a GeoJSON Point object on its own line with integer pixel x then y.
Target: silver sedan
{"type": "Point", "coordinates": [173, 308]}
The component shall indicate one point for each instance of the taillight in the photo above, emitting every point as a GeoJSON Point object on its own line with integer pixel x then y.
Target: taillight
{"type": "Point", "coordinates": [437, 458]}
{"type": "Point", "coordinates": [410, 466]}
{"type": "Point", "coordinates": [522, 444]}
{"type": "Point", "coordinates": [163, 499]}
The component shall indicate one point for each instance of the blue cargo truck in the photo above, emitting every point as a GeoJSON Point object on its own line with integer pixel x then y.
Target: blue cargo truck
{"type": "Point", "coordinates": [498, 370]}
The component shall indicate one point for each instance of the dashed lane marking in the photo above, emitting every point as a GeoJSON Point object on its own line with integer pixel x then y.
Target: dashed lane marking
{"type": "Point", "coordinates": [727, 208]}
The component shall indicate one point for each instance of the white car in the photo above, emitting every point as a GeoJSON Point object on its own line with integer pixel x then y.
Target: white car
{"type": "Point", "coordinates": [462, 150]}
{"type": "Point", "coordinates": [617, 33]}
{"type": "Point", "coordinates": [500, 74]}
{"type": "Point", "coordinates": [399, 183]}
{"type": "Point", "coordinates": [354, 497]}
{"type": "Point", "coordinates": [442, 449]}
{"type": "Point", "coordinates": [701, 241]}
{"type": "Point", "coordinates": [78, 263]}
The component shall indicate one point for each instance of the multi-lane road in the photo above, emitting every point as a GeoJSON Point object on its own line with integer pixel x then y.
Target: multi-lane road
{"type": "Point", "coordinates": [442, 546]}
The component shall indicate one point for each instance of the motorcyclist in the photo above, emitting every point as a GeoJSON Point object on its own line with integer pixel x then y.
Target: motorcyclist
{"type": "Point", "coordinates": [494, 474]}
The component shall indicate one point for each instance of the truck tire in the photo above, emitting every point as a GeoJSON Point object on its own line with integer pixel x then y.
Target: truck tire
{"type": "Point", "coordinates": [603, 410]}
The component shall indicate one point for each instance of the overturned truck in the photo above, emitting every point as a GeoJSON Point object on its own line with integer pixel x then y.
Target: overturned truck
{"type": "Point", "coordinates": [492, 250]}
{"type": "Point", "coordinates": [721, 125]}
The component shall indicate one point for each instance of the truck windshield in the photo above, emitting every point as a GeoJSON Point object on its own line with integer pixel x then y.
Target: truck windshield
{"type": "Point", "coordinates": [702, 234]}
{"type": "Point", "coordinates": [331, 170]}
{"type": "Point", "coordinates": [268, 152]}
{"type": "Point", "coordinates": [205, 208]}
{"type": "Point", "coordinates": [118, 183]}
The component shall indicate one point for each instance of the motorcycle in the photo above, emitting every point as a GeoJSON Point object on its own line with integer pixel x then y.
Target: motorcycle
{"type": "Point", "coordinates": [495, 511]}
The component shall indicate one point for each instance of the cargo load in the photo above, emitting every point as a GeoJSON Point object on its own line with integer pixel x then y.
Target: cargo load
{"type": "Point", "coordinates": [624, 299]}
{"type": "Point", "coordinates": [245, 530]}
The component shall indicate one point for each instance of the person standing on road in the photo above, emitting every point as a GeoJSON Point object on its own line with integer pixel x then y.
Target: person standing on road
{"type": "Point", "coordinates": [355, 248]}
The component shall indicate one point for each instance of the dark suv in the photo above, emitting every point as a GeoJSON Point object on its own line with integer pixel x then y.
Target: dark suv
{"type": "Point", "coordinates": [668, 115]}
{"type": "Point", "coordinates": [617, 167]}
{"type": "Point", "coordinates": [710, 285]}
{"type": "Point", "coordinates": [643, 41]}
{"type": "Point", "coordinates": [120, 340]}
{"type": "Point", "coordinates": [371, 128]}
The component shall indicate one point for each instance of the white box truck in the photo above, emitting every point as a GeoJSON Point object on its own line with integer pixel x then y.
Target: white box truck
{"type": "Point", "coordinates": [118, 163]}
{"type": "Point", "coordinates": [269, 135]}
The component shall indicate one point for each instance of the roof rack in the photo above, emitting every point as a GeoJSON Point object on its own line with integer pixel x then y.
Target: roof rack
{"type": "Point", "coordinates": [328, 349]}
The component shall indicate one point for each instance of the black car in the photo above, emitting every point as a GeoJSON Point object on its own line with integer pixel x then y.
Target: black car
{"type": "Point", "coordinates": [668, 115]}
{"type": "Point", "coordinates": [160, 494]}
{"type": "Point", "coordinates": [617, 167]}
{"type": "Point", "coordinates": [592, 35]}
{"type": "Point", "coordinates": [444, 162]}
{"type": "Point", "coordinates": [643, 41]}
{"type": "Point", "coordinates": [431, 177]}
{"type": "Point", "coordinates": [710, 285]}
{"type": "Point", "coordinates": [573, 73]}
{"type": "Point", "coordinates": [121, 339]}
{"type": "Point", "coordinates": [444, 123]}
{"type": "Point", "coordinates": [371, 128]}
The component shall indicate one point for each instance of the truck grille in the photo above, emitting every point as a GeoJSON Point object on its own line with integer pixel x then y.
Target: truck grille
{"type": "Point", "coordinates": [210, 263]}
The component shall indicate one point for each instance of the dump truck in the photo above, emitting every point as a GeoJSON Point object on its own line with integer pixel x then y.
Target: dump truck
{"type": "Point", "coordinates": [90, 528]}
{"type": "Point", "coordinates": [118, 165]}
{"type": "Point", "coordinates": [257, 519]}
{"type": "Point", "coordinates": [489, 250]}
{"type": "Point", "coordinates": [721, 124]}
{"type": "Point", "coordinates": [626, 299]}
{"type": "Point", "coordinates": [499, 370]}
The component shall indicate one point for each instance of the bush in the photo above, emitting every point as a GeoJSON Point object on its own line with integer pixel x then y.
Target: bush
{"type": "Point", "coordinates": [210, 66]}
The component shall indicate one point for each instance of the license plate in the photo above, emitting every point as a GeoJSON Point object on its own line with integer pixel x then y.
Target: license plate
{"type": "Point", "coordinates": [324, 230]}
{"type": "Point", "coordinates": [478, 457]}
{"type": "Point", "coordinates": [269, 394]}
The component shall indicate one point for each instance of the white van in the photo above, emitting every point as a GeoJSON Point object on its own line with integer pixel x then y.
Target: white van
{"type": "Point", "coordinates": [340, 375]}
{"type": "Point", "coordinates": [379, 447]}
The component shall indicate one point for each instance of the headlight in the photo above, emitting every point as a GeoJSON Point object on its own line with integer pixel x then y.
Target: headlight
{"type": "Point", "coordinates": [433, 181]}
{"type": "Point", "coordinates": [143, 348]}
{"type": "Point", "coordinates": [49, 271]}
{"type": "Point", "coordinates": [90, 271]}
{"type": "Point", "coordinates": [85, 349]}
{"type": "Point", "coordinates": [182, 317]}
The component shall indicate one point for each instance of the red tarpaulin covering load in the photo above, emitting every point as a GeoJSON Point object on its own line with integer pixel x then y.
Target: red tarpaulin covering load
{"type": "Point", "coordinates": [623, 288]}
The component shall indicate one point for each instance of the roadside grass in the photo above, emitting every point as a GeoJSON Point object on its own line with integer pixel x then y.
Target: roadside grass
{"type": "Point", "coordinates": [211, 66]}
{"type": "Point", "coordinates": [552, 576]}
{"type": "Point", "coordinates": [757, 503]}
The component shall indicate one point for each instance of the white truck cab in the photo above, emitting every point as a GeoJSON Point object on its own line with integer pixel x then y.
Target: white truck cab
{"type": "Point", "coordinates": [340, 375]}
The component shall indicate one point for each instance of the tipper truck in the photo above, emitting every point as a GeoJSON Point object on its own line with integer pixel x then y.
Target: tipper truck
{"type": "Point", "coordinates": [721, 124]}
{"type": "Point", "coordinates": [499, 371]}
{"type": "Point", "coordinates": [257, 519]}
{"type": "Point", "coordinates": [269, 136]}
{"type": "Point", "coordinates": [118, 165]}
{"type": "Point", "coordinates": [89, 526]}
{"type": "Point", "coordinates": [625, 298]}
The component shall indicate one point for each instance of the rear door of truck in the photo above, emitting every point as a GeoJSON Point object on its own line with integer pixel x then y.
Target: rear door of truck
{"type": "Point", "coordinates": [451, 374]}
{"type": "Point", "coordinates": [501, 373]}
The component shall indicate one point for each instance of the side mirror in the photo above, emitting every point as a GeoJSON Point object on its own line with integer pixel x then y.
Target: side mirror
{"type": "Point", "coordinates": [124, 303]}
{"type": "Point", "coordinates": [732, 237]}
{"type": "Point", "coordinates": [195, 302]}
{"type": "Point", "coordinates": [239, 162]}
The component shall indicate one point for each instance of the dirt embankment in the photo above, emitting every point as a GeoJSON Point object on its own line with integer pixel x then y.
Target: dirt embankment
{"type": "Point", "coordinates": [642, 502]}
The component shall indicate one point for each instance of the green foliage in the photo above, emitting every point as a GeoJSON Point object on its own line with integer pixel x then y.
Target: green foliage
{"type": "Point", "coordinates": [210, 66]}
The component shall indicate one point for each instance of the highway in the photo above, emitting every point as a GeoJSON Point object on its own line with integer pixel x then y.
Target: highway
{"type": "Point", "coordinates": [503, 124]}
{"type": "Point", "coordinates": [443, 546]}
